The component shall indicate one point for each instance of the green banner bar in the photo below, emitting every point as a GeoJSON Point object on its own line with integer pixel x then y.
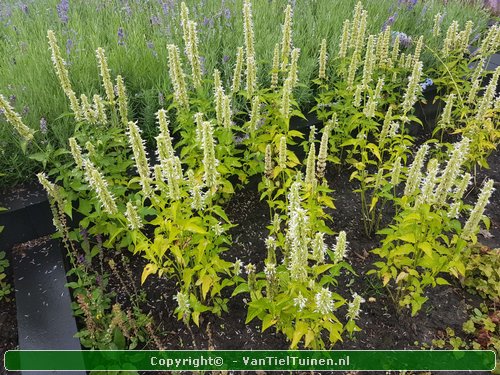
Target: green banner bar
{"type": "Point", "coordinates": [248, 360]}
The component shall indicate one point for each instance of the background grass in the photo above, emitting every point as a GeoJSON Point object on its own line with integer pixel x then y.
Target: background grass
{"type": "Point", "coordinates": [140, 56]}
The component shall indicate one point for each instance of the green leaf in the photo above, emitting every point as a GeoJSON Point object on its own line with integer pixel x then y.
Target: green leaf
{"type": "Point", "coordinates": [441, 281]}
{"type": "Point", "coordinates": [426, 247]}
{"type": "Point", "coordinates": [242, 288]}
{"type": "Point", "coordinates": [408, 237]}
{"type": "Point", "coordinates": [192, 227]}
{"type": "Point", "coordinates": [267, 322]}
{"type": "Point", "coordinates": [148, 270]}
{"type": "Point", "coordinates": [301, 329]}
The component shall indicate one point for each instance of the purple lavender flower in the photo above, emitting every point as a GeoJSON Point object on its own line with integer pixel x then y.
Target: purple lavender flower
{"type": "Point", "coordinates": [121, 36]}
{"type": "Point", "coordinates": [225, 59]}
{"type": "Point", "coordinates": [424, 9]}
{"type": "Point", "coordinates": [12, 100]}
{"type": "Point", "coordinates": [127, 9]}
{"type": "Point", "coordinates": [227, 13]}
{"type": "Point", "coordinates": [155, 20]}
{"type": "Point", "coordinates": [69, 46]}
{"type": "Point", "coordinates": [62, 11]}
{"type": "Point", "coordinates": [25, 111]}
{"type": "Point", "coordinates": [202, 63]}
{"type": "Point", "coordinates": [43, 125]}
{"type": "Point", "coordinates": [404, 40]}
{"type": "Point", "coordinates": [389, 21]}
{"type": "Point", "coordinates": [208, 22]}
{"type": "Point", "coordinates": [151, 46]}
{"type": "Point", "coordinates": [166, 6]}
{"type": "Point", "coordinates": [24, 8]}
{"type": "Point", "coordinates": [411, 4]}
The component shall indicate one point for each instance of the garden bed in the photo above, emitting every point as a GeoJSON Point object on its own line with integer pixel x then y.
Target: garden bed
{"type": "Point", "coordinates": [382, 327]}
{"type": "Point", "coordinates": [200, 221]}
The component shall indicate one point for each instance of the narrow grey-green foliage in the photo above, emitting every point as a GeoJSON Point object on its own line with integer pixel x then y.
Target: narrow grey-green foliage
{"type": "Point", "coordinates": [140, 56]}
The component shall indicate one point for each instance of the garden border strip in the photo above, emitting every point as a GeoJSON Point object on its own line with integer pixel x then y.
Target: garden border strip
{"type": "Point", "coordinates": [44, 315]}
{"type": "Point", "coordinates": [27, 217]}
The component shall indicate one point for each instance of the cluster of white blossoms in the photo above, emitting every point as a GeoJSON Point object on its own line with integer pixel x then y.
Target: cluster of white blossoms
{"type": "Point", "coordinates": [122, 100]}
{"type": "Point", "coordinates": [344, 40]}
{"type": "Point", "coordinates": [476, 80]}
{"type": "Point", "coordinates": [105, 75]}
{"type": "Point", "coordinates": [413, 90]}
{"type": "Point", "coordinates": [310, 178]}
{"type": "Point", "coordinates": [322, 59]}
{"type": "Point", "coordinates": [193, 54]}
{"type": "Point", "coordinates": [177, 76]}
{"type": "Point", "coordinates": [371, 105]}
{"type": "Point", "coordinates": [436, 29]}
{"type": "Point", "coordinates": [100, 186]}
{"type": "Point", "coordinates": [268, 163]}
{"type": "Point", "coordinates": [276, 66]}
{"type": "Point", "coordinates": [318, 248]}
{"type": "Point", "coordinates": [451, 171]}
{"type": "Point", "coordinates": [293, 72]}
{"type": "Point", "coordinates": [183, 303]}
{"type": "Point", "coordinates": [286, 99]}
{"type": "Point", "coordinates": [76, 152]}
{"type": "Point", "coordinates": [251, 68]}
{"type": "Point", "coordinates": [472, 225]}
{"type": "Point", "coordinates": [358, 29]}
{"type": "Point", "coordinates": [340, 248]}
{"type": "Point", "coordinates": [383, 48]}
{"type": "Point", "coordinates": [448, 108]}
{"type": "Point", "coordinates": [170, 165]}
{"type": "Point", "coordinates": [369, 62]}
{"type": "Point", "coordinates": [238, 68]}
{"type": "Point", "coordinates": [323, 148]}
{"type": "Point", "coordinates": [300, 301]}
{"type": "Point", "coordinates": [210, 162]}
{"type": "Point", "coordinates": [491, 42]}
{"type": "Point", "coordinates": [133, 218]}
{"type": "Point", "coordinates": [57, 208]}
{"type": "Point", "coordinates": [282, 153]}
{"type": "Point", "coordinates": [15, 120]}
{"type": "Point", "coordinates": [428, 183]}
{"type": "Point", "coordinates": [218, 96]}
{"type": "Point", "coordinates": [354, 307]}
{"type": "Point", "coordinates": [460, 189]}
{"type": "Point", "coordinates": [190, 37]}
{"type": "Point", "coordinates": [324, 301]}
{"type": "Point", "coordinates": [140, 157]}
{"type": "Point", "coordinates": [297, 236]}
{"type": "Point", "coordinates": [415, 171]}
{"type": "Point", "coordinates": [396, 172]}
{"type": "Point", "coordinates": [254, 115]}
{"type": "Point", "coordinates": [62, 74]}
{"type": "Point", "coordinates": [488, 99]}
{"type": "Point", "coordinates": [455, 40]}
{"type": "Point", "coordinates": [196, 191]}
{"type": "Point", "coordinates": [286, 42]}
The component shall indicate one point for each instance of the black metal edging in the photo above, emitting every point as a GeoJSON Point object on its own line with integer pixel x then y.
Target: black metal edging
{"type": "Point", "coordinates": [44, 315]}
